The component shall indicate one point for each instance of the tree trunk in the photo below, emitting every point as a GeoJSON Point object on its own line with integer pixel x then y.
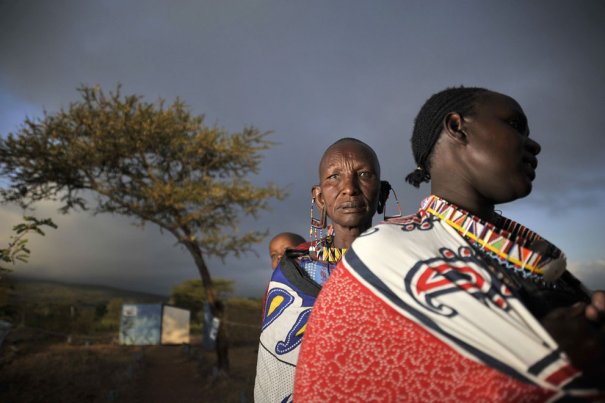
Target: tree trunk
{"type": "Point", "coordinates": [217, 308]}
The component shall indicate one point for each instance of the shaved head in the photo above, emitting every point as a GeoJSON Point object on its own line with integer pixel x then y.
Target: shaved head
{"type": "Point", "coordinates": [350, 142]}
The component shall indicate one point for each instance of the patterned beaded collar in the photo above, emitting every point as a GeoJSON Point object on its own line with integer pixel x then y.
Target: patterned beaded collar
{"type": "Point", "coordinates": [510, 243]}
{"type": "Point", "coordinates": [324, 250]}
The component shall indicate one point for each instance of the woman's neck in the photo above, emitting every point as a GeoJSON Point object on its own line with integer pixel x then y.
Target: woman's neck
{"type": "Point", "coordinates": [474, 204]}
{"type": "Point", "coordinates": [450, 182]}
{"type": "Point", "coordinates": [344, 237]}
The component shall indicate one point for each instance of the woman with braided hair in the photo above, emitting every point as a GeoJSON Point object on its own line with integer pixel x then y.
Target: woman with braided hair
{"type": "Point", "coordinates": [456, 302]}
{"type": "Point", "coordinates": [349, 193]}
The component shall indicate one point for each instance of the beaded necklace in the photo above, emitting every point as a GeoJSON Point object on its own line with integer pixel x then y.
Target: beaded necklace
{"type": "Point", "coordinates": [511, 244]}
{"type": "Point", "coordinates": [325, 251]}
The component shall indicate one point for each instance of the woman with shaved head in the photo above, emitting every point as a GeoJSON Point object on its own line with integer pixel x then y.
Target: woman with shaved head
{"type": "Point", "coordinates": [456, 302]}
{"type": "Point", "coordinates": [349, 193]}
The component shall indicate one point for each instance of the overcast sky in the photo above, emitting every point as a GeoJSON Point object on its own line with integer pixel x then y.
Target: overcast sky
{"type": "Point", "coordinates": [311, 71]}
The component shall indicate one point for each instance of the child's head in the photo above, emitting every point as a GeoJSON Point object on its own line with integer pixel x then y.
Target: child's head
{"type": "Point", "coordinates": [281, 242]}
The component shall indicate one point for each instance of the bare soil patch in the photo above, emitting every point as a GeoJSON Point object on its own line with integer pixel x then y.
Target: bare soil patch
{"type": "Point", "coordinates": [49, 372]}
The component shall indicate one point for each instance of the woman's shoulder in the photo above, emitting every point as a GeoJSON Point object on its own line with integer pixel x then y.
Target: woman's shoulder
{"type": "Point", "coordinates": [411, 236]}
{"type": "Point", "coordinates": [396, 227]}
{"type": "Point", "coordinates": [304, 246]}
{"type": "Point", "coordinates": [416, 219]}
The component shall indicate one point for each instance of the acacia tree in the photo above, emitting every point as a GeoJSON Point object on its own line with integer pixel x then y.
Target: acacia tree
{"type": "Point", "coordinates": [144, 160]}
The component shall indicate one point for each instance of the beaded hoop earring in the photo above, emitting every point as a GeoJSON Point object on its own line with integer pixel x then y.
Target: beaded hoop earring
{"type": "Point", "coordinates": [399, 211]}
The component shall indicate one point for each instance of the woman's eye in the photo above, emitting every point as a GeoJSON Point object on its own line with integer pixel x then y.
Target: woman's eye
{"type": "Point", "coordinates": [517, 125]}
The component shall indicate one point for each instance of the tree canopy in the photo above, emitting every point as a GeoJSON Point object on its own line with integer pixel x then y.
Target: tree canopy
{"type": "Point", "coordinates": [155, 163]}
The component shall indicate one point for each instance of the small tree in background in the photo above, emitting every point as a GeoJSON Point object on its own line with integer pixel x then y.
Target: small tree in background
{"type": "Point", "coordinates": [113, 314]}
{"type": "Point", "coordinates": [17, 250]}
{"type": "Point", "coordinates": [190, 294]}
{"type": "Point", "coordinates": [144, 160]}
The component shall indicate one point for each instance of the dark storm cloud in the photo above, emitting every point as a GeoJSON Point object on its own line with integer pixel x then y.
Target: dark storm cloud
{"type": "Point", "coordinates": [315, 71]}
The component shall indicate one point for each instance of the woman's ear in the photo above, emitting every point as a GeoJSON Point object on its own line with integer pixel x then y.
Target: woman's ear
{"type": "Point", "coordinates": [453, 125]}
{"type": "Point", "coordinates": [317, 196]}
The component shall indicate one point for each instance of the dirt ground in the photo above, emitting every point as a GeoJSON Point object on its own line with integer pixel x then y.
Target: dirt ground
{"type": "Point", "coordinates": [49, 371]}
{"type": "Point", "coordinates": [177, 374]}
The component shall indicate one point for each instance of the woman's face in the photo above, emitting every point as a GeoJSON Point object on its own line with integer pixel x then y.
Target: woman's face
{"type": "Point", "coordinates": [501, 158]}
{"type": "Point", "coordinates": [349, 185]}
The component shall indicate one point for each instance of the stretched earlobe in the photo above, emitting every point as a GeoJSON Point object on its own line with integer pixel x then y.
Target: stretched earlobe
{"type": "Point", "coordinates": [385, 188]}
{"type": "Point", "coordinates": [321, 222]}
{"type": "Point", "coordinates": [453, 125]}
{"type": "Point", "coordinates": [317, 196]}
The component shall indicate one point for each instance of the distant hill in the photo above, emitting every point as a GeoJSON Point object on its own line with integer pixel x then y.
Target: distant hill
{"type": "Point", "coordinates": [44, 291]}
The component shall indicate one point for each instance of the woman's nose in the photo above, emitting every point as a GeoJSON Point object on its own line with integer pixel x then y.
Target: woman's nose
{"type": "Point", "coordinates": [533, 146]}
{"type": "Point", "coordinates": [350, 184]}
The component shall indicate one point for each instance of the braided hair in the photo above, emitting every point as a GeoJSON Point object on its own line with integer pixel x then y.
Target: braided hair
{"type": "Point", "coordinates": [428, 125]}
